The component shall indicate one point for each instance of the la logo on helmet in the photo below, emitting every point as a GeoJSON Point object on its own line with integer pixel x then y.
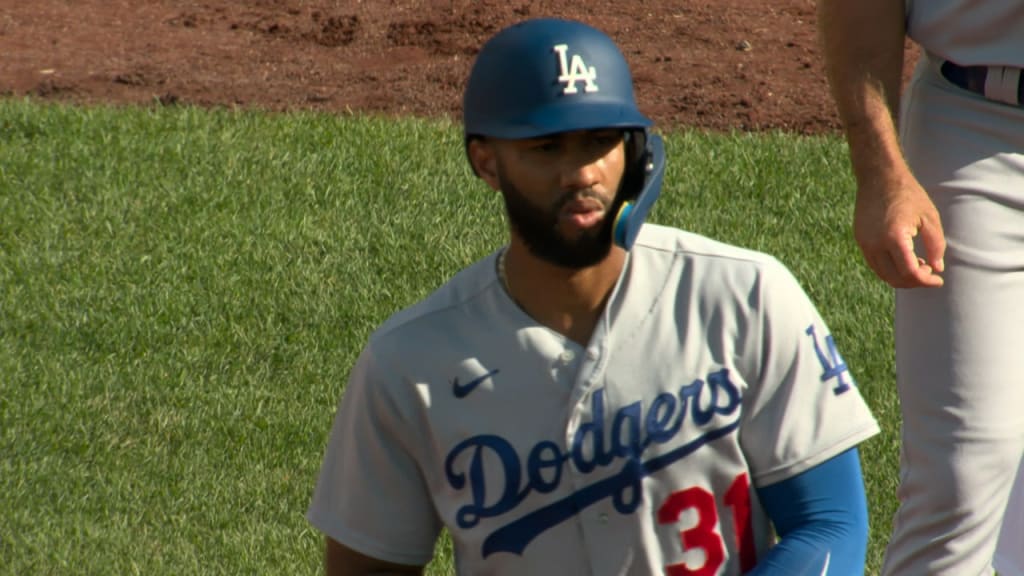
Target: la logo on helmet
{"type": "Point", "coordinates": [576, 71]}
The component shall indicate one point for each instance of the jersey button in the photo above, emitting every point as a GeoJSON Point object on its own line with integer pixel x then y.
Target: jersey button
{"type": "Point", "coordinates": [603, 518]}
{"type": "Point", "coordinates": [567, 356]}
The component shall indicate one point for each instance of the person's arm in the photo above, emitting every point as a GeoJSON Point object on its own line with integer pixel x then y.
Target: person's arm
{"type": "Point", "coordinates": [821, 518]}
{"type": "Point", "coordinates": [340, 560]}
{"type": "Point", "coordinates": [863, 46]}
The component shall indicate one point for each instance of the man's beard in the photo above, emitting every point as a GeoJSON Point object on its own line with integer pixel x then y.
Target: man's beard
{"type": "Point", "coordinates": [538, 228]}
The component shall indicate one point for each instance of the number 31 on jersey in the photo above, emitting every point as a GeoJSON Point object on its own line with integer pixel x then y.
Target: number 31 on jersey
{"type": "Point", "coordinates": [704, 535]}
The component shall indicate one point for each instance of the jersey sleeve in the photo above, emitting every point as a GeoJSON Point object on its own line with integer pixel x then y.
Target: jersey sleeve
{"type": "Point", "coordinates": [371, 495]}
{"type": "Point", "coordinates": [803, 405]}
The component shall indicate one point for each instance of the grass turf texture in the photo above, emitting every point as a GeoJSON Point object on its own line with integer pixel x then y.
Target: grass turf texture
{"type": "Point", "coordinates": [183, 292]}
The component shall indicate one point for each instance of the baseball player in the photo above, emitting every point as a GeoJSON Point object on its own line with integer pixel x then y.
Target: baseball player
{"type": "Point", "coordinates": [940, 216]}
{"type": "Point", "coordinates": [598, 396]}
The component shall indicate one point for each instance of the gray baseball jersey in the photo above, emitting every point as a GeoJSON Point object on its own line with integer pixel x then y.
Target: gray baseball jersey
{"type": "Point", "coordinates": [958, 348]}
{"type": "Point", "coordinates": [985, 32]}
{"type": "Point", "coordinates": [709, 373]}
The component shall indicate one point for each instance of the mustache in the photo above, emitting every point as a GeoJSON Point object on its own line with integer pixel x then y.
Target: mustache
{"type": "Point", "coordinates": [585, 194]}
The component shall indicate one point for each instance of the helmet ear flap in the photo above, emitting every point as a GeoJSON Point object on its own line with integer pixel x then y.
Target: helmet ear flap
{"type": "Point", "coordinates": [637, 158]}
{"type": "Point", "coordinates": [641, 186]}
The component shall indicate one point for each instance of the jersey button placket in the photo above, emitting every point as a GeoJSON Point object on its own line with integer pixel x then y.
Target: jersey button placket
{"type": "Point", "coordinates": [580, 411]}
{"type": "Point", "coordinates": [594, 520]}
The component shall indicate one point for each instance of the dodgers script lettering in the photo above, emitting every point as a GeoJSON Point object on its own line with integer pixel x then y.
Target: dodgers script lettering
{"type": "Point", "coordinates": [622, 438]}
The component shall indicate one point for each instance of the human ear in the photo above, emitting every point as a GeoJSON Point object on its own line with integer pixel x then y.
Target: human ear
{"type": "Point", "coordinates": [484, 161]}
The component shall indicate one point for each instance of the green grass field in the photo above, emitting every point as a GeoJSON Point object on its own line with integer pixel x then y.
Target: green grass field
{"type": "Point", "coordinates": [182, 293]}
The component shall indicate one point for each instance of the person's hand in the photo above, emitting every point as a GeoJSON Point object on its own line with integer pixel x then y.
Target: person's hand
{"type": "Point", "coordinates": [887, 218]}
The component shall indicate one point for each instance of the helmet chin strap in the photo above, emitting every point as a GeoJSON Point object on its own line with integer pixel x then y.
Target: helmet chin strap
{"type": "Point", "coordinates": [632, 214]}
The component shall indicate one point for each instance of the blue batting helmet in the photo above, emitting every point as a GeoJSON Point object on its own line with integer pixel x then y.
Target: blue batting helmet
{"type": "Point", "coordinates": [545, 76]}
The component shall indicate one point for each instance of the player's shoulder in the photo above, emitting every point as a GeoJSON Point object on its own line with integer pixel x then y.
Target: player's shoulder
{"type": "Point", "coordinates": [667, 242]}
{"type": "Point", "coordinates": [445, 306]}
{"type": "Point", "coordinates": [712, 271]}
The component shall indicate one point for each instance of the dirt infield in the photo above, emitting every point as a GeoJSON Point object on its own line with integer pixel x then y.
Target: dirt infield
{"type": "Point", "coordinates": [715, 64]}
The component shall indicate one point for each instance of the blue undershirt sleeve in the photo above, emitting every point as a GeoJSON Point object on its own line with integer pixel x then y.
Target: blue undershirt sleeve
{"type": "Point", "coordinates": [821, 518]}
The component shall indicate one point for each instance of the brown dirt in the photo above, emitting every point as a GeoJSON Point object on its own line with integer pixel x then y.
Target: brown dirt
{"type": "Point", "coordinates": [713, 64]}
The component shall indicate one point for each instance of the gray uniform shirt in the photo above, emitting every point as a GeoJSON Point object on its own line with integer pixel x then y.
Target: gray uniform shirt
{"type": "Point", "coordinates": [969, 32]}
{"type": "Point", "coordinates": [709, 373]}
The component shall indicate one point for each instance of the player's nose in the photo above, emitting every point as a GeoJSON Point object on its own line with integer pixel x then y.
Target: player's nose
{"type": "Point", "coordinates": [581, 177]}
{"type": "Point", "coordinates": [580, 169]}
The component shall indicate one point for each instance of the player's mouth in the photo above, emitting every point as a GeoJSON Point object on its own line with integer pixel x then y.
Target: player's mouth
{"type": "Point", "coordinates": [583, 212]}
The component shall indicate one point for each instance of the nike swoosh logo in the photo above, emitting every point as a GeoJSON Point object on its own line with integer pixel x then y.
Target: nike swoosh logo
{"type": "Point", "coordinates": [463, 390]}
